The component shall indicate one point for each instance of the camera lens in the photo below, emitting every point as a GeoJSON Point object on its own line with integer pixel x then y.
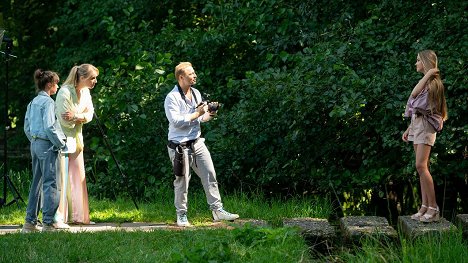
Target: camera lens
{"type": "Point", "coordinates": [213, 106]}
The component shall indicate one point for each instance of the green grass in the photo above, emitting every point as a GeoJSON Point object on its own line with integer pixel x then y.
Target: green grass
{"type": "Point", "coordinates": [203, 245]}
{"type": "Point", "coordinates": [436, 247]}
{"type": "Point", "coordinates": [243, 244]}
{"type": "Point", "coordinates": [161, 209]}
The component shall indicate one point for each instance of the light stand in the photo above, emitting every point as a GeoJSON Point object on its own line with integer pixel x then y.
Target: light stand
{"type": "Point", "coordinates": [115, 159]}
{"type": "Point", "coordinates": [7, 183]}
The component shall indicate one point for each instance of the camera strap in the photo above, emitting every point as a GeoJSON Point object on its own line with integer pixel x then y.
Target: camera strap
{"type": "Point", "coordinates": [183, 95]}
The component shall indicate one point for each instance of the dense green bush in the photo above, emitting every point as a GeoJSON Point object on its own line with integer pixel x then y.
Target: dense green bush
{"type": "Point", "coordinates": [312, 92]}
{"type": "Point", "coordinates": [333, 115]}
{"type": "Point", "coordinates": [128, 98]}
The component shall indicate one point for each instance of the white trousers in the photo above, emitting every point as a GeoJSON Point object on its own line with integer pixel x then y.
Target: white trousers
{"type": "Point", "coordinates": [199, 159]}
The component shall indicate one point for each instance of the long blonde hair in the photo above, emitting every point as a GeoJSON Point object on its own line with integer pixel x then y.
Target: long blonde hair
{"type": "Point", "coordinates": [436, 98]}
{"type": "Point", "coordinates": [83, 70]}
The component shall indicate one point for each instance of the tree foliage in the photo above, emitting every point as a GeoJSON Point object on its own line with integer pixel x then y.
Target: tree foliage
{"type": "Point", "coordinates": [312, 92]}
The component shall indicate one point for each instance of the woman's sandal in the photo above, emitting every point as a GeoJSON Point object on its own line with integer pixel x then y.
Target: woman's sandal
{"type": "Point", "coordinates": [430, 218]}
{"type": "Point", "coordinates": [419, 213]}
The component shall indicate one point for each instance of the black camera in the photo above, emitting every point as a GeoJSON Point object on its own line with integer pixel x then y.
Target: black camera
{"type": "Point", "coordinates": [212, 106]}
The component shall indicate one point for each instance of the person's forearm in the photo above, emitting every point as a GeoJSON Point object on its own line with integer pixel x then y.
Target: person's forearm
{"type": "Point", "coordinates": [208, 116]}
{"type": "Point", "coordinates": [420, 86]}
{"type": "Point", "coordinates": [194, 116]}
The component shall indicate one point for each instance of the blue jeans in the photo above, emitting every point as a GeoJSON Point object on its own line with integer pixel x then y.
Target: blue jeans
{"type": "Point", "coordinates": [44, 163]}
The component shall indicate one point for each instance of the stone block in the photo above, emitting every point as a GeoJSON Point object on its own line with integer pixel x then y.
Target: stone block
{"type": "Point", "coordinates": [413, 228]}
{"type": "Point", "coordinates": [462, 221]}
{"type": "Point", "coordinates": [311, 227]}
{"type": "Point", "coordinates": [252, 222]}
{"type": "Point", "coordinates": [9, 229]}
{"type": "Point", "coordinates": [317, 232]}
{"type": "Point", "coordinates": [356, 227]}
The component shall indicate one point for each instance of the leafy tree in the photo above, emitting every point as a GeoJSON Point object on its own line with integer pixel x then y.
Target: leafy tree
{"type": "Point", "coordinates": [312, 92]}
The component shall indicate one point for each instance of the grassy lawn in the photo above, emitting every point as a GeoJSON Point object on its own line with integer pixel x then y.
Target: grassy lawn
{"type": "Point", "coordinates": [446, 247]}
{"type": "Point", "coordinates": [221, 245]}
{"type": "Point", "coordinates": [162, 210]}
{"type": "Point", "coordinates": [242, 244]}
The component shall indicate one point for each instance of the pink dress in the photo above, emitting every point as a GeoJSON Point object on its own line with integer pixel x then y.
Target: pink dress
{"type": "Point", "coordinates": [74, 205]}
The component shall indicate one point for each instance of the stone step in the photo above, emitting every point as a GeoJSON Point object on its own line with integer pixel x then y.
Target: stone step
{"type": "Point", "coordinates": [462, 222]}
{"type": "Point", "coordinates": [315, 230]}
{"type": "Point", "coordinates": [356, 227]}
{"type": "Point", "coordinates": [412, 228]}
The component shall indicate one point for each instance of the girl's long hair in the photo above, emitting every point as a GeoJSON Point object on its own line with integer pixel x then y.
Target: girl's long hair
{"type": "Point", "coordinates": [42, 77]}
{"type": "Point", "coordinates": [437, 100]}
{"type": "Point", "coordinates": [83, 70]}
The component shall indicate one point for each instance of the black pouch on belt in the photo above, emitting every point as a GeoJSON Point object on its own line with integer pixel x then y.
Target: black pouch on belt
{"type": "Point", "coordinates": [178, 165]}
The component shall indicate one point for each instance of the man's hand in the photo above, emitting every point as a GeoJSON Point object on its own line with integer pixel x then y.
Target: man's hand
{"type": "Point", "coordinates": [202, 108]}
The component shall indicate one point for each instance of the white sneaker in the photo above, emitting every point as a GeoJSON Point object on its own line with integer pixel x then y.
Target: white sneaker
{"type": "Point", "coordinates": [30, 228]}
{"type": "Point", "coordinates": [182, 220]}
{"type": "Point", "coordinates": [222, 214]}
{"type": "Point", "coordinates": [61, 225]}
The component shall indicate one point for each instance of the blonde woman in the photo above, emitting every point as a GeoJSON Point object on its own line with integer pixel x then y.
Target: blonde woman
{"type": "Point", "coordinates": [74, 107]}
{"type": "Point", "coordinates": [428, 110]}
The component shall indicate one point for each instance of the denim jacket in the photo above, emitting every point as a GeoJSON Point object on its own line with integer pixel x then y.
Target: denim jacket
{"type": "Point", "coordinates": [40, 121]}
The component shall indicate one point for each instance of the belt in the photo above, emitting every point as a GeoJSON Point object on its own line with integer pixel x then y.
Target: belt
{"type": "Point", "coordinates": [174, 144]}
{"type": "Point", "coordinates": [36, 137]}
{"type": "Point", "coordinates": [188, 144]}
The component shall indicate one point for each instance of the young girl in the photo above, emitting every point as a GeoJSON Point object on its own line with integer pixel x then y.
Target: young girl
{"type": "Point", "coordinates": [428, 109]}
{"type": "Point", "coordinates": [47, 138]}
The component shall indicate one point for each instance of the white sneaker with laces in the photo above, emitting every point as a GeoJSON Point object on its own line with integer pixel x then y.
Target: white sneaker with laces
{"type": "Point", "coordinates": [222, 214]}
{"type": "Point", "coordinates": [182, 220]}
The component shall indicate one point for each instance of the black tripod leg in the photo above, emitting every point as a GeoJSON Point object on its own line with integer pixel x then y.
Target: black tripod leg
{"type": "Point", "coordinates": [16, 194]}
{"type": "Point", "coordinates": [7, 181]}
{"type": "Point", "coordinates": [115, 159]}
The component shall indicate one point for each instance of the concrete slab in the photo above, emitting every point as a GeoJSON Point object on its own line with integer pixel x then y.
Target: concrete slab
{"type": "Point", "coordinates": [413, 228]}
{"type": "Point", "coordinates": [462, 221]}
{"type": "Point", "coordinates": [312, 227]}
{"type": "Point", "coordinates": [253, 222]}
{"type": "Point", "coordinates": [356, 227]}
{"type": "Point", "coordinates": [317, 232]}
{"type": "Point", "coordinates": [9, 229]}
{"type": "Point", "coordinates": [137, 226]}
